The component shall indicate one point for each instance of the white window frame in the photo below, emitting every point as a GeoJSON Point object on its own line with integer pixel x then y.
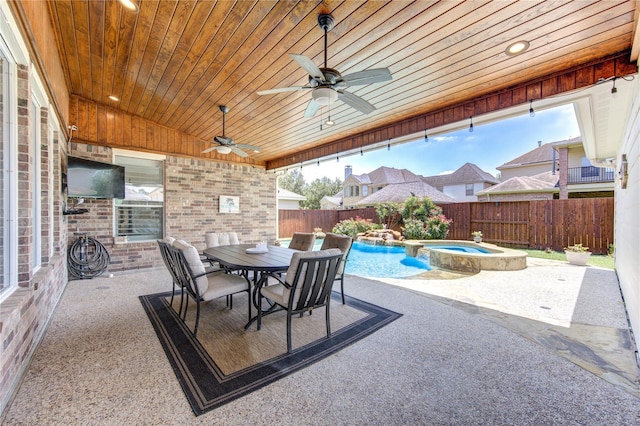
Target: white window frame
{"type": "Point", "coordinates": [10, 189]}
{"type": "Point", "coordinates": [145, 156]}
{"type": "Point", "coordinates": [469, 187]}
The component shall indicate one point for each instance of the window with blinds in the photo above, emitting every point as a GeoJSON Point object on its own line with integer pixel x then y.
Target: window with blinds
{"type": "Point", "coordinates": [140, 216]}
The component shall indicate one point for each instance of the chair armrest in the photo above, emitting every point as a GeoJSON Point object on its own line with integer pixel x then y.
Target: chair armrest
{"type": "Point", "coordinates": [210, 271]}
{"type": "Point", "coordinates": [275, 275]}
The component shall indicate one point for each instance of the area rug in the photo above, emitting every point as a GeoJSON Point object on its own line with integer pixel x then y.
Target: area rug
{"type": "Point", "coordinates": [226, 362]}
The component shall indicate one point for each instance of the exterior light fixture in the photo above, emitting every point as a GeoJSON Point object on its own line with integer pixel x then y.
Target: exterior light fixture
{"type": "Point", "coordinates": [517, 48]}
{"type": "Point", "coordinates": [324, 95]}
{"type": "Point", "coordinates": [426, 137]}
{"type": "Point", "coordinates": [532, 113]}
{"type": "Point", "coordinates": [223, 150]}
{"type": "Point", "coordinates": [361, 152]}
{"type": "Point", "coordinates": [471, 124]}
{"type": "Point", "coordinates": [114, 98]}
{"type": "Point", "coordinates": [129, 4]}
{"type": "Point", "coordinates": [389, 145]}
{"type": "Point", "coordinates": [614, 90]}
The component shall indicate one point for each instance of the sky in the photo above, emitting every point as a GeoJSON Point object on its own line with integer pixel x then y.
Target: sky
{"type": "Point", "coordinates": [488, 146]}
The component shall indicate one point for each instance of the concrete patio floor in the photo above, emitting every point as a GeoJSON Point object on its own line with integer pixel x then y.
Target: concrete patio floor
{"type": "Point", "coordinates": [547, 345]}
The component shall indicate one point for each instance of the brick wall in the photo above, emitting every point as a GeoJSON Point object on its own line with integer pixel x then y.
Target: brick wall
{"type": "Point", "coordinates": [24, 314]}
{"type": "Point", "coordinates": [192, 191]}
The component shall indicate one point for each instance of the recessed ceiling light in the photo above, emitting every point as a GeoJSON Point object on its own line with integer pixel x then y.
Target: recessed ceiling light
{"type": "Point", "coordinates": [517, 48]}
{"type": "Point", "coordinates": [129, 4]}
{"type": "Point", "coordinates": [114, 98]}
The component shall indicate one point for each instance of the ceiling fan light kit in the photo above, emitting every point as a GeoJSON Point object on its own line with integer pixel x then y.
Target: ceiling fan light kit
{"type": "Point", "coordinates": [324, 95]}
{"type": "Point", "coordinates": [223, 149]}
{"type": "Point", "coordinates": [327, 85]}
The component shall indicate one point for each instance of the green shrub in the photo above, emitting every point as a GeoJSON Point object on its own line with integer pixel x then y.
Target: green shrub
{"type": "Point", "coordinates": [415, 208]}
{"type": "Point", "coordinates": [413, 229]}
{"type": "Point", "coordinates": [423, 220]}
{"type": "Point", "coordinates": [352, 227]}
{"type": "Point", "coordinates": [437, 227]}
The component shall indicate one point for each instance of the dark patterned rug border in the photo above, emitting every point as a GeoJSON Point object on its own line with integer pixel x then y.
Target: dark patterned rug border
{"type": "Point", "coordinates": [206, 387]}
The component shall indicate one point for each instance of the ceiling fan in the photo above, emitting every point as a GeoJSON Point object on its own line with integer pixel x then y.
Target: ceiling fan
{"type": "Point", "coordinates": [327, 84]}
{"type": "Point", "coordinates": [226, 144]}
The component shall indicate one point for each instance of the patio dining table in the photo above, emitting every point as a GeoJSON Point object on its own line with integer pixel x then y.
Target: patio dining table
{"type": "Point", "coordinates": [235, 257]}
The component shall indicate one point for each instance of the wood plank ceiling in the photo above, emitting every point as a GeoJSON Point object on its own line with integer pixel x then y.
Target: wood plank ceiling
{"type": "Point", "coordinates": [174, 62]}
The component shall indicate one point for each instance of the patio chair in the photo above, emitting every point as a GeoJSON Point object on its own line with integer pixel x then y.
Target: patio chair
{"type": "Point", "coordinates": [306, 286]}
{"type": "Point", "coordinates": [164, 252]}
{"type": "Point", "coordinates": [200, 284]}
{"type": "Point", "coordinates": [302, 241]}
{"type": "Point", "coordinates": [216, 239]}
{"type": "Point", "coordinates": [344, 243]}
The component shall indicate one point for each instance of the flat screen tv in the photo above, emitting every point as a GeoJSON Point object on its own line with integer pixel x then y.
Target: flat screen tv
{"type": "Point", "coordinates": [93, 179]}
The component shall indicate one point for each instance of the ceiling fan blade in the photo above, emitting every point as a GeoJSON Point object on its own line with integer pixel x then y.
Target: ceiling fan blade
{"type": "Point", "coordinates": [356, 102]}
{"type": "Point", "coordinates": [251, 147]}
{"type": "Point", "coordinates": [308, 65]}
{"type": "Point", "coordinates": [282, 89]}
{"type": "Point", "coordinates": [312, 108]}
{"type": "Point", "coordinates": [209, 149]}
{"type": "Point", "coordinates": [238, 151]}
{"type": "Point", "coordinates": [376, 75]}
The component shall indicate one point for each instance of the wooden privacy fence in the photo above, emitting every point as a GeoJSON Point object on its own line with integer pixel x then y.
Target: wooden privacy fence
{"type": "Point", "coordinates": [538, 224]}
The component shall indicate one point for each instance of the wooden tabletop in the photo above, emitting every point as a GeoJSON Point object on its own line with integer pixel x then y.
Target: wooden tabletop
{"type": "Point", "coordinates": [277, 259]}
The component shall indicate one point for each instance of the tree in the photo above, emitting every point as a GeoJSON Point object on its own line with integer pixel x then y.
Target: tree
{"type": "Point", "coordinates": [293, 181]}
{"type": "Point", "coordinates": [318, 189]}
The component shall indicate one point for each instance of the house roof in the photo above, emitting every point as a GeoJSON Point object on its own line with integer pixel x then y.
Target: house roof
{"type": "Point", "coordinates": [542, 182]}
{"type": "Point", "coordinates": [336, 200]}
{"type": "Point", "coordinates": [284, 194]}
{"type": "Point", "coordinates": [389, 175]}
{"type": "Point", "coordinates": [541, 154]}
{"type": "Point", "coordinates": [401, 191]}
{"type": "Point", "coordinates": [467, 173]}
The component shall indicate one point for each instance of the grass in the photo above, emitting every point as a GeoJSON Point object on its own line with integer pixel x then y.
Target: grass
{"type": "Point", "coordinates": [601, 261]}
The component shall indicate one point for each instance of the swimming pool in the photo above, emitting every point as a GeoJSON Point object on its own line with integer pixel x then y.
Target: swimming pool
{"type": "Point", "coordinates": [413, 258]}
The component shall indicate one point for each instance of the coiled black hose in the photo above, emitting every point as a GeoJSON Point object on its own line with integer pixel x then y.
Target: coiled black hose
{"type": "Point", "coordinates": [88, 258]}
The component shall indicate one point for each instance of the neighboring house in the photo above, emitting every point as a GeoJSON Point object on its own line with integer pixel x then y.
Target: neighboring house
{"type": "Point", "coordinates": [543, 186]}
{"type": "Point", "coordinates": [386, 184]}
{"type": "Point", "coordinates": [288, 200]}
{"type": "Point", "coordinates": [463, 184]}
{"type": "Point", "coordinates": [576, 176]}
{"type": "Point", "coordinates": [331, 203]}
{"type": "Point", "coordinates": [534, 162]}
{"type": "Point", "coordinates": [358, 187]}
{"type": "Point", "coordinates": [398, 192]}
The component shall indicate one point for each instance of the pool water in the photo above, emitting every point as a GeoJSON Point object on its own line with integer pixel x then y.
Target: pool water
{"type": "Point", "coordinates": [367, 260]}
{"type": "Point", "coordinates": [464, 249]}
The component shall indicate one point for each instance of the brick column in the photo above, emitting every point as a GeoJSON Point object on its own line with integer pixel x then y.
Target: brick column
{"type": "Point", "coordinates": [563, 172]}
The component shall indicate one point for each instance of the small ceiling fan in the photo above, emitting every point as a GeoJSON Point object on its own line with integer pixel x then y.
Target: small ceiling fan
{"type": "Point", "coordinates": [226, 144]}
{"type": "Point", "coordinates": [327, 84]}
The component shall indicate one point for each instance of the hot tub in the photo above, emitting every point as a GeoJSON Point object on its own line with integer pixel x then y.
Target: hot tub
{"type": "Point", "coordinates": [467, 256]}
